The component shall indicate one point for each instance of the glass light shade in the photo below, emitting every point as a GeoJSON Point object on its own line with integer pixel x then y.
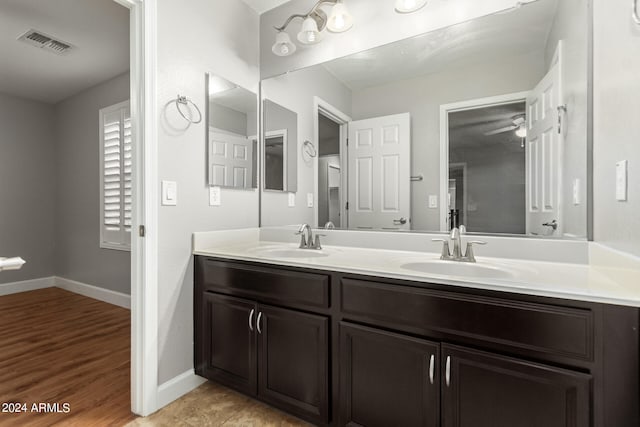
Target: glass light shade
{"type": "Point", "coordinates": [521, 132]}
{"type": "Point", "coordinates": [309, 33]}
{"type": "Point", "coordinates": [408, 6]}
{"type": "Point", "coordinates": [283, 45]}
{"type": "Point", "coordinates": [340, 19]}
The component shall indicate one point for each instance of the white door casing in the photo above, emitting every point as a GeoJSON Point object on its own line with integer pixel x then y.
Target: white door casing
{"type": "Point", "coordinates": [379, 173]}
{"type": "Point", "coordinates": [544, 155]}
{"type": "Point", "coordinates": [230, 163]}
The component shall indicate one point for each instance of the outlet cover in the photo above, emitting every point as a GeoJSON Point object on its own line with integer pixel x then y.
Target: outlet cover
{"type": "Point", "coordinates": [576, 192]}
{"type": "Point", "coordinates": [309, 200]}
{"type": "Point", "coordinates": [433, 202]}
{"type": "Point", "coordinates": [621, 181]}
{"type": "Point", "coordinates": [292, 200]}
{"type": "Point", "coordinates": [215, 196]}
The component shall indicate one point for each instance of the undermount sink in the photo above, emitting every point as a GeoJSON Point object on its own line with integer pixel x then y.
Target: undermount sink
{"type": "Point", "coordinates": [460, 269]}
{"type": "Point", "coordinates": [290, 253]}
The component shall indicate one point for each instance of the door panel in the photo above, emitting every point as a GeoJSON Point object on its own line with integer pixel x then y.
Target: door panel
{"type": "Point", "coordinates": [230, 159]}
{"type": "Point", "coordinates": [379, 173]}
{"type": "Point", "coordinates": [293, 362]}
{"type": "Point", "coordinates": [544, 155]}
{"type": "Point", "coordinates": [486, 390]}
{"type": "Point", "coordinates": [387, 379]}
{"type": "Point", "coordinates": [229, 343]}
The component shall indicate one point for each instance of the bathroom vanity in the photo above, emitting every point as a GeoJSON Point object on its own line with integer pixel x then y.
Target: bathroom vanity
{"type": "Point", "coordinates": [337, 347]}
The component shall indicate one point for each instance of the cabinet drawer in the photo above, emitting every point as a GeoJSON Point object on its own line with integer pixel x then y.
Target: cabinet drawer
{"type": "Point", "coordinates": [281, 287]}
{"type": "Point", "coordinates": [548, 330]}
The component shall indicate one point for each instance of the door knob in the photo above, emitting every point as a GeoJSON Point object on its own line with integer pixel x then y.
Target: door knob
{"type": "Point", "coordinates": [553, 224]}
{"type": "Point", "coordinates": [401, 221]}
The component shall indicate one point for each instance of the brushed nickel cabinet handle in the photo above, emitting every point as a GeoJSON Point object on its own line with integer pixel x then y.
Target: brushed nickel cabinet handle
{"type": "Point", "coordinates": [251, 320]}
{"type": "Point", "coordinates": [447, 372]}
{"type": "Point", "coordinates": [431, 368]}
{"type": "Point", "coordinates": [258, 322]}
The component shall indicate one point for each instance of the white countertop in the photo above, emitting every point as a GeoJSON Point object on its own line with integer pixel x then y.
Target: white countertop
{"type": "Point", "coordinates": [583, 282]}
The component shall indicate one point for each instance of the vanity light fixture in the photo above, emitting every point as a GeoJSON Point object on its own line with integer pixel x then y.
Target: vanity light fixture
{"type": "Point", "coordinates": [409, 6]}
{"type": "Point", "coordinates": [283, 45]}
{"type": "Point", "coordinates": [313, 23]}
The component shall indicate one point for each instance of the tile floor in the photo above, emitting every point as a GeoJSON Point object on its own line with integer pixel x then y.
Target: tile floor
{"type": "Point", "coordinates": [214, 405]}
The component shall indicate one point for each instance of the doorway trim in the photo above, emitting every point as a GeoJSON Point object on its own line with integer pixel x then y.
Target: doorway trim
{"type": "Point", "coordinates": [144, 246]}
{"type": "Point", "coordinates": [320, 106]}
{"type": "Point", "coordinates": [445, 110]}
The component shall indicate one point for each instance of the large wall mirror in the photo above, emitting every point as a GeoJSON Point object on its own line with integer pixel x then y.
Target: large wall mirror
{"type": "Point", "coordinates": [482, 124]}
{"type": "Point", "coordinates": [232, 134]}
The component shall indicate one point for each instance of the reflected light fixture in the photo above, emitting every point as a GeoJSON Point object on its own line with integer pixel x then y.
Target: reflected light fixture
{"type": "Point", "coordinates": [409, 6]}
{"type": "Point", "coordinates": [521, 132]}
{"type": "Point", "coordinates": [313, 24]}
{"type": "Point", "coordinates": [283, 45]}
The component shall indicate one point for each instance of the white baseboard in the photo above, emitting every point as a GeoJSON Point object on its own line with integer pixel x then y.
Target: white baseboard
{"type": "Point", "coordinates": [177, 387]}
{"type": "Point", "coordinates": [26, 285]}
{"type": "Point", "coordinates": [101, 294]}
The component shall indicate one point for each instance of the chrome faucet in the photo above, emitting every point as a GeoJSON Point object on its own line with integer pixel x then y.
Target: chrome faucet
{"type": "Point", "coordinates": [306, 238]}
{"type": "Point", "coordinates": [456, 254]}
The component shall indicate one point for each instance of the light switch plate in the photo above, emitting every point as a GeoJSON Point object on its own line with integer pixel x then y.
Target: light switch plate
{"type": "Point", "coordinates": [292, 200]}
{"type": "Point", "coordinates": [621, 181]}
{"type": "Point", "coordinates": [215, 196]}
{"type": "Point", "coordinates": [309, 200]}
{"type": "Point", "coordinates": [169, 193]}
{"type": "Point", "coordinates": [433, 202]}
{"type": "Point", "coordinates": [576, 192]}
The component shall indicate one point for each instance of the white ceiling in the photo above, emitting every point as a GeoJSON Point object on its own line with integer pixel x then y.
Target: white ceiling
{"type": "Point", "coordinates": [522, 30]}
{"type": "Point", "coordinates": [99, 30]}
{"type": "Point", "coordinates": [261, 6]}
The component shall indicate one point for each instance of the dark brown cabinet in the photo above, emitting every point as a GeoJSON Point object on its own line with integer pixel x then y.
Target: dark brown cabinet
{"type": "Point", "coordinates": [275, 354]}
{"type": "Point", "coordinates": [293, 361]}
{"type": "Point", "coordinates": [228, 348]}
{"type": "Point", "coordinates": [388, 379]}
{"type": "Point", "coordinates": [339, 349]}
{"type": "Point", "coordinates": [486, 390]}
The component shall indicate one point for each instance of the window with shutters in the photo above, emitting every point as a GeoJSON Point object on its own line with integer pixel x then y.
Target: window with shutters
{"type": "Point", "coordinates": [115, 176]}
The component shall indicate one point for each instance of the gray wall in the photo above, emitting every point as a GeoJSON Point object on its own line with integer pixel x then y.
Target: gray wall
{"type": "Point", "coordinates": [495, 187]}
{"type": "Point", "coordinates": [78, 255]}
{"type": "Point", "coordinates": [221, 38]}
{"type": "Point", "coordinates": [276, 118]}
{"type": "Point", "coordinates": [27, 184]}
{"type": "Point", "coordinates": [225, 118]}
{"type": "Point", "coordinates": [296, 91]}
{"type": "Point", "coordinates": [616, 124]}
{"type": "Point", "coordinates": [423, 96]}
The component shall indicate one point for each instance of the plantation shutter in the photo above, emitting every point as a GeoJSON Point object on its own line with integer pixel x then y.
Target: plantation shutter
{"type": "Point", "coordinates": [115, 175]}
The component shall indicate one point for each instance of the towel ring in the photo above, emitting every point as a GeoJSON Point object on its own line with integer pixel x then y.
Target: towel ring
{"type": "Point", "coordinates": [635, 14]}
{"type": "Point", "coordinates": [183, 100]}
{"type": "Point", "coordinates": [309, 149]}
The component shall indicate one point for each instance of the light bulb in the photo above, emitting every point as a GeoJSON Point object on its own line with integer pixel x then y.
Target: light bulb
{"type": "Point", "coordinates": [340, 20]}
{"type": "Point", "coordinates": [521, 132]}
{"type": "Point", "coordinates": [309, 33]}
{"type": "Point", "coordinates": [283, 45]}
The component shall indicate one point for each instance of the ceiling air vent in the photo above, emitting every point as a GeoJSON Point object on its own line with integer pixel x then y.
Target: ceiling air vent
{"type": "Point", "coordinates": [45, 42]}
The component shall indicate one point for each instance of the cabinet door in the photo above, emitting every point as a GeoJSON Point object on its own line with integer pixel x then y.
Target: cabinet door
{"type": "Point", "coordinates": [387, 379]}
{"type": "Point", "coordinates": [293, 362]}
{"type": "Point", "coordinates": [229, 343]}
{"type": "Point", "coordinates": [484, 390]}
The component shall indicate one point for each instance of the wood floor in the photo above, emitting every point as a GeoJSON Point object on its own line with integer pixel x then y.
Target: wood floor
{"type": "Point", "coordinates": [60, 347]}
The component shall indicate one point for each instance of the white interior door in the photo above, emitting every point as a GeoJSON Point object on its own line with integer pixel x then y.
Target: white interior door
{"type": "Point", "coordinates": [379, 173]}
{"type": "Point", "coordinates": [230, 159]}
{"type": "Point", "coordinates": [544, 156]}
